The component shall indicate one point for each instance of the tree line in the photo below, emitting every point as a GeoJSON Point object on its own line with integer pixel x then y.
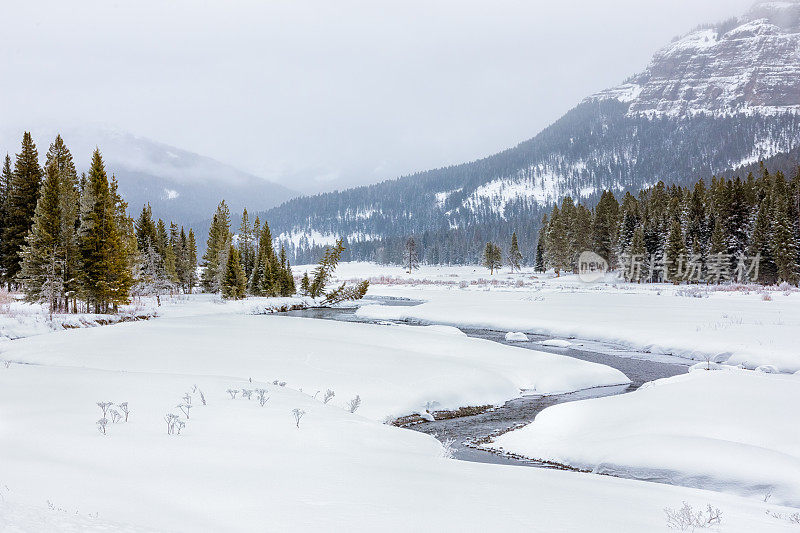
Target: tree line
{"type": "Point", "coordinates": [734, 229]}
{"type": "Point", "coordinates": [245, 263]}
{"type": "Point", "coordinates": [66, 240]}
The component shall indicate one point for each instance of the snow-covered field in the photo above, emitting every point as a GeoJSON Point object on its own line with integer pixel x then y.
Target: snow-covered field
{"type": "Point", "coordinates": [238, 465]}
{"type": "Point", "coordinates": [729, 430]}
{"type": "Point", "coordinates": [19, 319]}
{"type": "Point", "coordinates": [738, 325]}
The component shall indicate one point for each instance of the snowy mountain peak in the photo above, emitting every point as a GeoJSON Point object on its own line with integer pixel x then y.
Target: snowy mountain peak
{"type": "Point", "coordinates": [746, 65]}
{"type": "Point", "coordinates": [785, 14]}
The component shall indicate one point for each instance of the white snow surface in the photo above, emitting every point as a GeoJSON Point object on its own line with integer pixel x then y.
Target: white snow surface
{"type": "Point", "coordinates": [238, 466]}
{"type": "Point", "coordinates": [516, 336]}
{"type": "Point", "coordinates": [731, 324]}
{"type": "Point", "coordinates": [732, 430]}
{"type": "Point", "coordinates": [556, 343]}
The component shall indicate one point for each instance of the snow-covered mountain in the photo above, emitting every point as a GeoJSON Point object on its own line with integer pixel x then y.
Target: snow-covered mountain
{"type": "Point", "coordinates": [180, 185]}
{"type": "Point", "coordinates": [744, 65]}
{"type": "Point", "coordinates": [720, 97]}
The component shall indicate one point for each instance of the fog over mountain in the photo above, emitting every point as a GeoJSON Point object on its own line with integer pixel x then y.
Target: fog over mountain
{"type": "Point", "coordinates": [320, 95]}
{"type": "Point", "coordinates": [179, 185]}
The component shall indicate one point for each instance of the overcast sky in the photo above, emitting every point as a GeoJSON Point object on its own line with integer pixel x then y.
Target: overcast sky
{"type": "Point", "coordinates": [325, 94]}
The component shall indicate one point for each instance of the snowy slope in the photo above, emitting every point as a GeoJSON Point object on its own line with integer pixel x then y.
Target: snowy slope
{"type": "Point", "coordinates": [417, 366]}
{"type": "Point", "coordinates": [730, 430]}
{"type": "Point", "coordinates": [238, 466]}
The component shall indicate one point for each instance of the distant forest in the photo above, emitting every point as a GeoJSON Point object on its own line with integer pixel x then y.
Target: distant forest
{"type": "Point", "coordinates": [731, 230]}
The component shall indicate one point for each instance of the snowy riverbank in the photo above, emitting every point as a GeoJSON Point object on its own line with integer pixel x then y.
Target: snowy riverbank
{"type": "Point", "coordinates": [731, 430]}
{"type": "Point", "coordinates": [738, 325]}
{"type": "Point", "coordinates": [238, 465]}
{"type": "Point", "coordinates": [19, 319]}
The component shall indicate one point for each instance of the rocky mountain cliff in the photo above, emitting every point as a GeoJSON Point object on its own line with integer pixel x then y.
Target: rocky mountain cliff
{"type": "Point", "coordinates": [745, 65]}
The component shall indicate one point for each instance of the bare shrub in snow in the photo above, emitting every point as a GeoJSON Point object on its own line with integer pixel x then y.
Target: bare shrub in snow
{"type": "Point", "coordinates": [185, 407]}
{"type": "Point", "coordinates": [202, 397]}
{"type": "Point", "coordinates": [282, 383]}
{"type": "Point", "coordinates": [104, 407]}
{"type": "Point", "coordinates": [124, 408]}
{"type": "Point", "coordinates": [101, 425]}
{"type": "Point", "coordinates": [448, 450]}
{"type": "Point", "coordinates": [298, 415]}
{"type": "Point", "coordinates": [247, 393]}
{"type": "Point", "coordinates": [275, 382]}
{"type": "Point", "coordinates": [174, 424]}
{"type": "Point", "coordinates": [430, 406]}
{"type": "Point", "coordinates": [329, 394]}
{"type": "Point", "coordinates": [115, 415]}
{"type": "Point", "coordinates": [233, 393]}
{"type": "Point", "coordinates": [692, 292]}
{"type": "Point", "coordinates": [262, 396]}
{"type": "Point", "coordinates": [187, 399]}
{"type": "Point", "coordinates": [793, 518]}
{"type": "Point", "coordinates": [354, 404]}
{"type": "Point", "coordinates": [687, 519]}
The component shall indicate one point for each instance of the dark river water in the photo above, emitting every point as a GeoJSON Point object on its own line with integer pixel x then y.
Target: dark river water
{"type": "Point", "coordinates": [465, 432]}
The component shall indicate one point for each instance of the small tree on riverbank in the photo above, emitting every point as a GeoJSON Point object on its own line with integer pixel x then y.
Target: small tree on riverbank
{"type": "Point", "coordinates": [492, 257]}
{"type": "Point", "coordinates": [411, 256]}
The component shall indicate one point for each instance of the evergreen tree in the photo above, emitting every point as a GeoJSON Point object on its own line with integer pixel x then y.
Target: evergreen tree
{"type": "Point", "coordinates": [325, 269]}
{"type": "Point", "coordinates": [761, 243]}
{"type": "Point", "coordinates": [676, 253]}
{"type": "Point", "coordinates": [410, 255]}
{"type": "Point", "coordinates": [219, 239]}
{"type": "Point", "coordinates": [290, 286]}
{"type": "Point", "coordinates": [639, 267]}
{"type": "Point", "coordinates": [557, 243]}
{"type": "Point", "coordinates": [146, 234]}
{"type": "Point", "coordinates": [5, 187]}
{"type": "Point", "coordinates": [629, 223]}
{"type": "Point", "coordinates": [162, 238]}
{"type": "Point", "coordinates": [514, 255]}
{"type": "Point", "coordinates": [569, 217]}
{"type": "Point", "coordinates": [170, 264]}
{"type": "Point", "coordinates": [181, 246]}
{"type": "Point", "coordinates": [42, 264]}
{"type": "Point", "coordinates": [233, 282]}
{"type": "Point", "coordinates": [192, 262]}
{"type": "Point", "coordinates": [128, 256]}
{"type": "Point", "coordinates": [105, 270]}
{"type": "Point", "coordinates": [784, 242]}
{"type": "Point", "coordinates": [262, 280]}
{"type": "Point", "coordinates": [305, 284]}
{"type": "Point", "coordinates": [23, 196]}
{"type": "Point", "coordinates": [492, 257]}
{"type": "Point", "coordinates": [60, 157]}
{"type": "Point", "coordinates": [605, 229]}
{"type": "Point", "coordinates": [246, 247]}
{"type": "Point", "coordinates": [737, 220]}
{"type": "Point", "coordinates": [540, 245]}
